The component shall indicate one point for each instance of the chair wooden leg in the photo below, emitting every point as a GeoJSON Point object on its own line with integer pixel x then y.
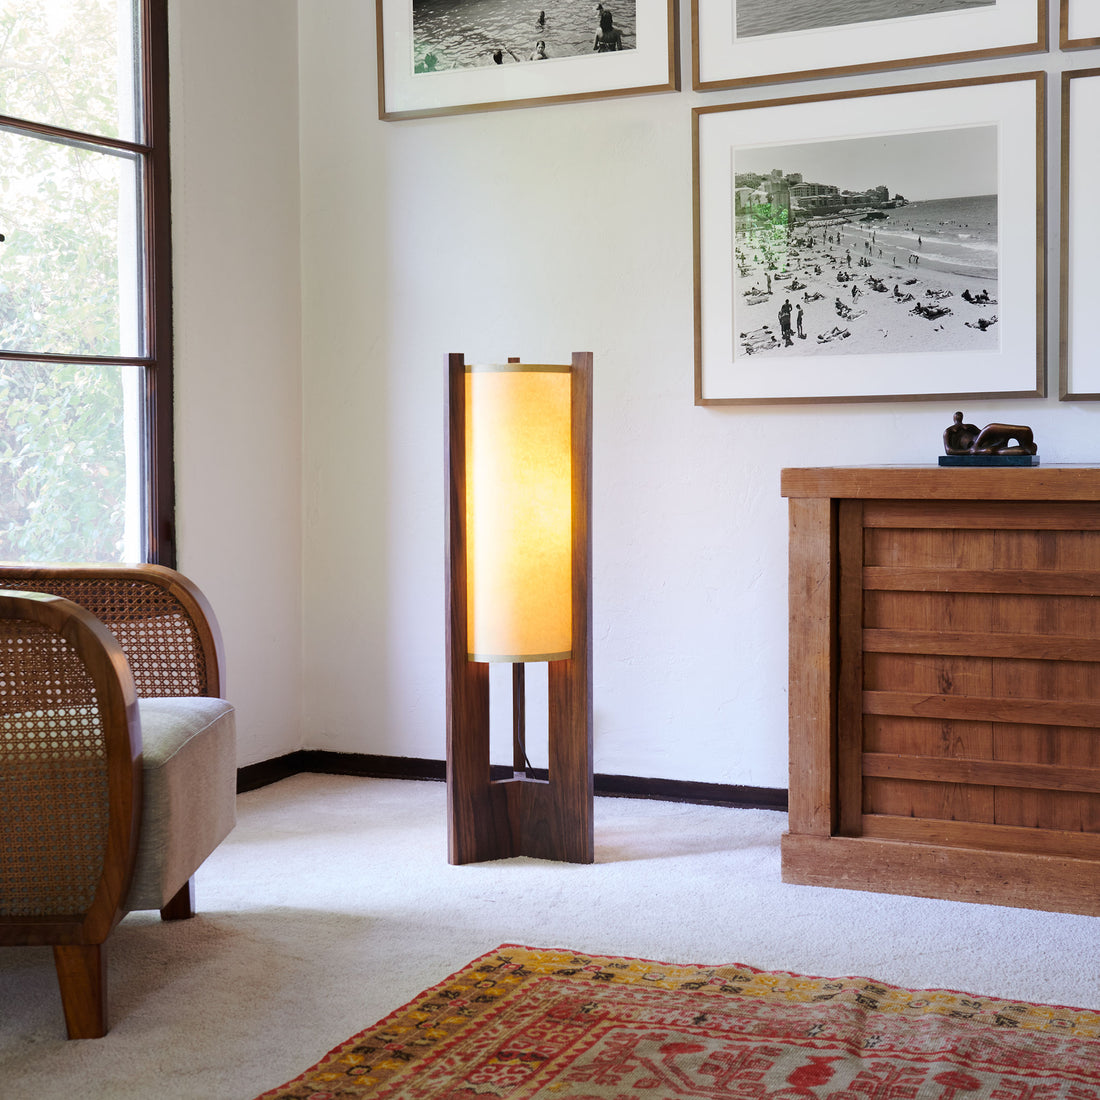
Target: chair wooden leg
{"type": "Point", "coordinates": [82, 976]}
{"type": "Point", "coordinates": [182, 904]}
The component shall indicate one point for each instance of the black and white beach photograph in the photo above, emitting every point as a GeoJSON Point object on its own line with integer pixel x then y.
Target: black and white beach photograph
{"type": "Point", "coordinates": [447, 56]}
{"type": "Point", "coordinates": [468, 34]}
{"type": "Point", "coordinates": [760, 17]}
{"type": "Point", "coordinates": [871, 244]}
{"type": "Point", "coordinates": [867, 245]}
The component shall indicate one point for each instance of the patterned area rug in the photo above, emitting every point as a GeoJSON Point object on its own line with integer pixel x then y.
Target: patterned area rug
{"type": "Point", "coordinates": [523, 1023]}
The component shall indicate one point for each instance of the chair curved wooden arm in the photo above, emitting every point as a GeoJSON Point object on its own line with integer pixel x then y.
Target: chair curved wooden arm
{"type": "Point", "coordinates": [95, 819]}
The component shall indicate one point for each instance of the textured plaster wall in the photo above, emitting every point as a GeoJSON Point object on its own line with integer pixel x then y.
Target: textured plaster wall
{"type": "Point", "coordinates": [531, 233]}
{"type": "Point", "coordinates": [237, 341]}
{"type": "Point", "coordinates": [535, 233]}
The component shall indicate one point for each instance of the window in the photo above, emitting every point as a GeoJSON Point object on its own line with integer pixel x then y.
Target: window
{"type": "Point", "coordinates": [85, 282]}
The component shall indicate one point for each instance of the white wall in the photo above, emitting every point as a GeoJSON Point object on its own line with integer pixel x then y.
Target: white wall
{"type": "Point", "coordinates": [238, 346]}
{"type": "Point", "coordinates": [534, 233]}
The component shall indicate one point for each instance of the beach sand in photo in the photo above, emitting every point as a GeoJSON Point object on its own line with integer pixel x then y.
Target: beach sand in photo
{"type": "Point", "coordinates": [904, 300]}
{"type": "Point", "coordinates": [756, 17]}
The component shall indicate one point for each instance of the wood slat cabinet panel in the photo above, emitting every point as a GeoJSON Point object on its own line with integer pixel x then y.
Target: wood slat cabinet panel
{"type": "Point", "coordinates": [913, 799]}
{"type": "Point", "coordinates": [961, 710]}
{"type": "Point", "coordinates": [953, 834]}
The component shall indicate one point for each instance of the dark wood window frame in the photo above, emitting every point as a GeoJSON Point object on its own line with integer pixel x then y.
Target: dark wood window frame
{"type": "Point", "coordinates": [157, 365]}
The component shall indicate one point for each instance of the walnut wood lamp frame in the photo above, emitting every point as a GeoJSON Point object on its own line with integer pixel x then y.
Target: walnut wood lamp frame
{"type": "Point", "coordinates": [520, 816]}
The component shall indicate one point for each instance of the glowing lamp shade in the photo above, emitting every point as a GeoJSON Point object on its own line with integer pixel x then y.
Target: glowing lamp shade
{"type": "Point", "coordinates": [518, 512]}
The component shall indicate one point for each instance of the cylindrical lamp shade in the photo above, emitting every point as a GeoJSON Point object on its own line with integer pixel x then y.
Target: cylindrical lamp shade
{"type": "Point", "coordinates": [519, 539]}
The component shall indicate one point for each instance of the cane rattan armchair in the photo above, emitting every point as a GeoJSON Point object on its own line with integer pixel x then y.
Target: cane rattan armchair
{"type": "Point", "coordinates": [117, 760]}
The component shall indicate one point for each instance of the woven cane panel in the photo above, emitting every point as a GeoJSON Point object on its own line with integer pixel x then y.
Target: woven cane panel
{"type": "Point", "coordinates": [53, 776]}
{"type": "Point", "coordinates": [162, 647]}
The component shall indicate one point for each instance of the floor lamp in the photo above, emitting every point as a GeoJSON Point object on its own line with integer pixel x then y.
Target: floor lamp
{"type": "Point", "coordinates": [519, 478]}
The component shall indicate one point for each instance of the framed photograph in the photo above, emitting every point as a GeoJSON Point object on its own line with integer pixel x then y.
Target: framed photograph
{"type": "Point", "coordinates": [1080, 24]}
{"type": "Point", "coordinates": [439, 57]}
{"type": "Point", "coordinates": [1079, 370]}
{"type": "Point", "coordinates": [746, 42]}
{"type": "Point", "coordinates": [881, 244]}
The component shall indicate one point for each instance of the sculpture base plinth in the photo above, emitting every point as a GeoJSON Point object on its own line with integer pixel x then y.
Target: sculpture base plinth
{"type": "Point", "coordinates": [989, 460]}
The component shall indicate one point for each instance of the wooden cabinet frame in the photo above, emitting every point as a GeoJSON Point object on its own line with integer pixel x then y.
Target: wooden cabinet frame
{"type": "Point", "coordinates": [945, 683]}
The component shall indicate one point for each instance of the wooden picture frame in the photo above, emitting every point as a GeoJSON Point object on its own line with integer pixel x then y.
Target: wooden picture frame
{"type": "Point", "coordinates": [1079, 371]}
{"type": "Point", "coordinates": [436, 69]}
{"type": "Point", "coordinates": [1079, 24]}
{"type": "Point", "coordinates": [803, 200]}
{"type": "Point", "coordinates": [737, 43]}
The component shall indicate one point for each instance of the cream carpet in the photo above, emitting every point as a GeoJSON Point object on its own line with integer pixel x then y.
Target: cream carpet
{"type": "Point", "coordinates": [332, 903]}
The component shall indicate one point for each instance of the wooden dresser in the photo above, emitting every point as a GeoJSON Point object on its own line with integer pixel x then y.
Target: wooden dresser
{"type": "Point", "coordinates": [945, 682]}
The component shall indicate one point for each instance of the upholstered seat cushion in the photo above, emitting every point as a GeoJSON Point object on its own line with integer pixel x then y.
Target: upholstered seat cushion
{"type": "Point", "coordinates": [189, 798]}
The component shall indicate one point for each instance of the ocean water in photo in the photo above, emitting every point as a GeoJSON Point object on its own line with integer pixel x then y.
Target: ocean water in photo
{"type": "Point", "coordinates": [463, 34]}
{"type": "Point", "coordinates": [957, 235]}
{"type": "Point", "coordinates": [755, 17]}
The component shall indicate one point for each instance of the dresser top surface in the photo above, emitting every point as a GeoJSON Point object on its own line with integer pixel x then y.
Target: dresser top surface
{"type": "Point", "coordinates": [1057, 481]}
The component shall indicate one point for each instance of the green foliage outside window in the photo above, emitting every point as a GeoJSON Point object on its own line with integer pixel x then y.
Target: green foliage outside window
{"type": "Point", "coordinates": [62, 462]}
{"type": "Point", "coordinates": [62, 452]}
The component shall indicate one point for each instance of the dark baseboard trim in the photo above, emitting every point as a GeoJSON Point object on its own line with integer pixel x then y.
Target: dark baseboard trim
{"type": "Point", "coordinates": [319, 762]}
{"type": "Point", "coordinates": [701, 794]}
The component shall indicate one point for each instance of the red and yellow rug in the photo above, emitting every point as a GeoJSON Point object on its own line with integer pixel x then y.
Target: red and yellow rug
{"type": "Point", "coordinates": [523, 1023]}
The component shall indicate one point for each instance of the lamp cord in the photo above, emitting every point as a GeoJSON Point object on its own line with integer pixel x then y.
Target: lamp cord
{"type": "Point", "coordinates": [520, 760]}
